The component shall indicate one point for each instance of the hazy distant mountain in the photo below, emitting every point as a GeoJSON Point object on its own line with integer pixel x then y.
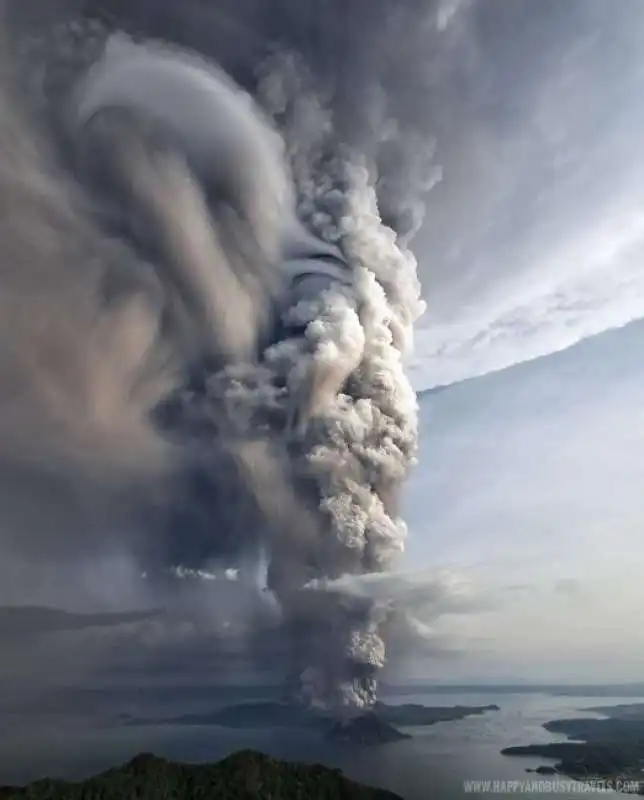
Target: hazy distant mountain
{"type": "Point", "coordinates": [33, 620]}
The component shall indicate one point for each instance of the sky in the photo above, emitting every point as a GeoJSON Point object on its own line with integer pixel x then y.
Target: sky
{"type": "Point", "coordinates": [530, 471]}
{"type": "Point", "coordinates": [529, 485]}
{"type": "Point", "coordinates": [533, 238]}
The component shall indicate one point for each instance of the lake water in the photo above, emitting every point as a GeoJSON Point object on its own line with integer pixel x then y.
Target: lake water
{"type": "Point", "coordinates": [438, 761]}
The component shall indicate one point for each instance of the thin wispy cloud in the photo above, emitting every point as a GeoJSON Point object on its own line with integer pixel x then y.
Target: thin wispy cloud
{"type": "Point", "coordinates": [591, 286]}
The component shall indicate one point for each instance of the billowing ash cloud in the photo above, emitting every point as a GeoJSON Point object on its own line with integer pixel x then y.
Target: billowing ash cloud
{"type": "Point", "coordinates": [294, 413]}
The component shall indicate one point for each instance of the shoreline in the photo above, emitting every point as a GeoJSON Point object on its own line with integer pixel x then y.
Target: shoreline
{"type": "Point", "coordinates": [607, 752]}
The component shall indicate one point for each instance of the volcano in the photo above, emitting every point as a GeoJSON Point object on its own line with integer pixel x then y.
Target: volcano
{"type": "Point", "coordinates": [369, 729]}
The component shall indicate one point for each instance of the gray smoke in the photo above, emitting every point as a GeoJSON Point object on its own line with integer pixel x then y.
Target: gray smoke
{"type": "Point", "coordinates": [80, 372]}
{"type": "Point", "coordinates": [292, 406]}
{"type": "Point", "coordinates": [95, 336]}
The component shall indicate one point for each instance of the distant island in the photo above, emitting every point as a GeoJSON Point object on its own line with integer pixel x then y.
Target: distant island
{"type": "Point", "coordinates": [242, 776]}
{"type": "Point", "coordinates": [378, 726]}
{"type": "Point", "coordinates": [610, 750]}
{"type": "Point", "coordinates": [563, 690]}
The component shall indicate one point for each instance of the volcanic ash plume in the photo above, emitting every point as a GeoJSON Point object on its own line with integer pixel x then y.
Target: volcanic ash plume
{"type": "Point", "coordinates": [304, 448]}
{"type": "Point", "coordinates": [353, 435]}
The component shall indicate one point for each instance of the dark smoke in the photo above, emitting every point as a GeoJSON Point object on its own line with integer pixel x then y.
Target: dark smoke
{"type": "Point", "coordinates": [291, 416]}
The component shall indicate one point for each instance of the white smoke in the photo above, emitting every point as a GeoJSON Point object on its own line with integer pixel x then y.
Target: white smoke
{"type": "Point", "coordinates": [354, 442]}
{"type": "Point", "coordinates": [356, 428]}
